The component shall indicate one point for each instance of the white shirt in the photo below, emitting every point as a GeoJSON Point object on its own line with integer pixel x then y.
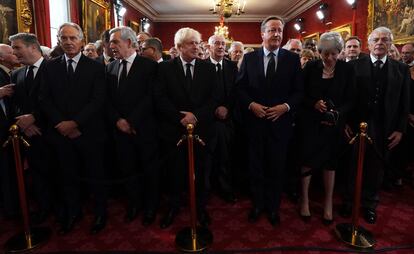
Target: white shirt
{"type": "Point", "coordinates": [36, 67]}
{"type": "Point", "coordinates": [130, 61]}
{"type": "Point", "coordinates": [185, 66]}
{"type": "Point", "coordinates": [266, 58]}
{"type": "Point", "coordinates": [215, 62]}
{"type": "Point", "coordinates": [2, 105]}
{"type": "Point", "coordinates": [75, 60]}
{"type": "Point", "coordinates": [374, 59]}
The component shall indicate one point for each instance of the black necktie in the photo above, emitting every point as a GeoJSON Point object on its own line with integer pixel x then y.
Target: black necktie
{"type": "Point", "coordinates": [220, 77]}
{"type": "Point", "coordinates": [70, 70]}
{"type": "Point", "coordinates": [271, 66]}
{"type": "Point", "coordinates": [29, 78]}
{"type": "Point", "coordinates": [377, 68]}
{"type": "Point", "coordinates": [123, 75]}
{"type": "Point", "coordinates": [111, 59]}
{"type": "Point", "coordinates": [188, 76]}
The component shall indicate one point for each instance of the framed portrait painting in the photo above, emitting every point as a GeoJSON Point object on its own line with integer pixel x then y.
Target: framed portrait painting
{"type": "Point", "coordinates": [96, 18]}
{"type": "Point", "coordinates": [345, 31]}
{"type": "Point", "coordinates": [134, 25]}
{"type": "Point", "coordinates": [15, 16]}
{"type": "Point", "coordinates": [314, 36]}
{"type": "Point", "coordinates": [396, 15]}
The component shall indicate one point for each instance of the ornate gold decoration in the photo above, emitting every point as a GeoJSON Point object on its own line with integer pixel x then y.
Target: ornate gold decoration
{"type": "Point", "coordinates": [24, 16]}
{"type": "Point", "coordinates": [105, 5]}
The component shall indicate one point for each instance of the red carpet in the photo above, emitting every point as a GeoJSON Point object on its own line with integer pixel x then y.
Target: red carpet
{"type": "Point", "coordinates": [233, 234]}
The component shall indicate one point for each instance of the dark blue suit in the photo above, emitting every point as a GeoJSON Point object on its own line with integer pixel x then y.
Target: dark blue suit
{"type": "Point", "coordinates": [268, 140]}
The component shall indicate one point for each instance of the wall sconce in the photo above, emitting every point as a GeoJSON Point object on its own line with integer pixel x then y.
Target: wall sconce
{"type": "Point", "coordinates": [322, 12]}
{"type": "Point", "coordinates": [299, 25]}
{"type": "Point", "coordinates": [352, 3]}
{"type": "Point", "coordinates": [119, 10]}
{"type": "Point", "coordinates": [145, 24]}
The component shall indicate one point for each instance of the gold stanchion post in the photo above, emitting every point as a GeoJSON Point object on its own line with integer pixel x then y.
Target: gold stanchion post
{"type": "Point", "coordinates": [31, 237]}
{"type": "Point", "coordinates": [194, 238]}
{"type": "Point", "coordinates": [352, 233]}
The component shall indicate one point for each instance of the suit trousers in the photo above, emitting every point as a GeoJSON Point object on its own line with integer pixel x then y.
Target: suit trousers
{"type": "Point", "coordinates": [139, 160]}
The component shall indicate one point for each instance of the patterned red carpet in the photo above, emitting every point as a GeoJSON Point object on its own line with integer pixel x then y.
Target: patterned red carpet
{"type": "Point", "coordinates": [394, 231]}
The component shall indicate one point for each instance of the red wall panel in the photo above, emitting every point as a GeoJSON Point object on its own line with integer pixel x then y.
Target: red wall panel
{"type": "Point", "coordinates": [134, 15]}
{"type": "Point", "coordinates": [247, 32]}
{"type": "Point", "coordinates": [340, 13]}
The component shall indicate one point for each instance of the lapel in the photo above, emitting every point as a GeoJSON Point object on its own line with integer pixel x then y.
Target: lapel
{"type": "Point", "coordinates": [259, 60]}
{"type": "Point", "coordinates": [79, 69]}
{"type": "Point", "coordinates": [180, 71]}
{"type": "Point", "coordinates": [37, 79]}
{"type": "Point", "coordinates": [63, 69]}
{"type": "Point", "coordinates": [393, 87]}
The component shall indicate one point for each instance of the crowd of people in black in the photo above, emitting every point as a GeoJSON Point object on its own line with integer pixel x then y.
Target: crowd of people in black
{"type": "Point", "coordinates": [269, 119]}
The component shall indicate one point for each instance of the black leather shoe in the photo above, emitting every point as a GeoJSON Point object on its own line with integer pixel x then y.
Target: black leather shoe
{"type": "Point", "coordinates": [345, 211]}
{"type": "Point", "coordinates": [274, 219]}
{"type": "Point", "coordinates": [168, 219]}
{"type": "Point", "coordinates": [69, 224]}
{"type": "Point", "coordinates": [131, 214]}
{"type": "Point", "coordinates": [370, 215]}
{"type": "Point", "coordinates": [254, 215]}
{"type": "Point", "coordinates": [327, 222]}
{"type": "Point", "coordinates": [98, 224]}
{"type": "Point", "coordinates": [305, 218]}
{"type": "Point", "coordinates": [149, 218]}
{"type": "Point", "coordinates": [38, 217]}
{"type": "Point", "coordinates": [204, 218]}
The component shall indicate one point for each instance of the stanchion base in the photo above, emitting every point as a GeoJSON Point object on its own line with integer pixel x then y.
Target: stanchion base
{"type": "Point", "coordinates": [19, 243]}
{"type": "Point", "coordinates": [361, 238]}
{"type": "Point", "coordinates": [186, 243]}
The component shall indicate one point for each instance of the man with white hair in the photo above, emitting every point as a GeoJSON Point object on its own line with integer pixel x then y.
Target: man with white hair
{"type": "Point", "coordinates": [72, 96]}
{"type": "Point", "coordinates": [130, 82]}
{"type": "Point", "coordinates": [186, 93]}
{"type": "Point", "coordinates": [382, 102]}
{"type": "Point", "coordinates": [236, 51]}
{"type": "Point", "coordinates": [226, 72]}
{"type": "Point", "coordinates": [294, 45]}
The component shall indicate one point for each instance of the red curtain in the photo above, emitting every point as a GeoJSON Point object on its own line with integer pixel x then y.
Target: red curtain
{"type": "Point", "coordinates": [74, 12]}
{"type": "Point", "coordinates": [42, 15]}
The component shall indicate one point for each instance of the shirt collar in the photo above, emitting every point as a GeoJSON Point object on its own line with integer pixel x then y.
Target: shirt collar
{"type": "Point", "coordinates": [75, 58]}
{"type": "Point", "coordinates": [267, 52]}
{"type": "Point", "coordinates": [374, 59]}
{"type": "Point", "coordinates": [215, 62]}
{"type": "Point", "coordinates": [38, 62]}
{"type": "Point", "coordinates": [131, 58]}
{"type": "Point", "coordinates": [7, 70]}
{"type": "Point", "coordinates": [184, 62]}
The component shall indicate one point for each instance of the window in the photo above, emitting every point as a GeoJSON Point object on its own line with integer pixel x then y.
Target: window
{"type": "Point", "coordinates": [59, 14]}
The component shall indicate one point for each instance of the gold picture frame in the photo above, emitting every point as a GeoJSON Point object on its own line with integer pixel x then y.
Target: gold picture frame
{"type": "Point", "coordinates": [398, 18]}
{"type": "Point", "coordinates": [15, 16]}
{"type": "Point", "coordinates": [134, 26]}
{"type": "Point", "coordinates": [314, 36]}
{"type": "Point", "coordinates": [345, 30]}
{"type": "Point", "coordinates": [96, 17]}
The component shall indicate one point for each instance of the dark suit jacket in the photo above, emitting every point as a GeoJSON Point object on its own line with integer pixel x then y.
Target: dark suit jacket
{"type": "Point", "coordinates": [25, 100]}
{"type": "Point", "coordinates": [227, 89]}
{"type": "Point", "coordinates": [396, 98]}
{"type": "Point", "coordinates": [82, 101]}
{"type": "Point", "coordinates": [287, 87]}
{"type": "Point", "coordinates": [5, 121]}
{"type": "Point", "coordinates": [134, 102]}
{"type": "Point", "coordinates": [342, 90]}
{"type": "Point", "coordinates": [171, 97]}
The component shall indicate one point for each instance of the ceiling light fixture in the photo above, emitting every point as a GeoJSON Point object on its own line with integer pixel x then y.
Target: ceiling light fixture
{"type": "Point", "coordinates": [352, 3]}
{"type": "Point", "coordinates": [226, 8]}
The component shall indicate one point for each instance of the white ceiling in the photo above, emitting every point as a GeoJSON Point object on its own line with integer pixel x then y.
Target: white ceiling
{"type": "Point", "coordinates": [198, 10]}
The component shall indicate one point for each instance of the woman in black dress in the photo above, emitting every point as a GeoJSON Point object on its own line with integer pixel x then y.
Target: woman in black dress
{"type": "Point", "coordinates": [329, 88]}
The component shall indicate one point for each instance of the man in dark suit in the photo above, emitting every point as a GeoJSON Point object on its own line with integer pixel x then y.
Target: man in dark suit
{"type": "Point", "coordinates": [107, 55]}
{"type": "Point", "coordinates": [72, 96]}
{"type": "Point", "coordinates": [130, 82]}
{"type": "Point", "coordinates": [222, 146]}
{"type": "Point", "coordinates": [383, 103]}
{"type": "Point", "coordinates": [8, 187]}
{"type": "Point", "coordinates": [271, 86]}
{"type": "Point", "coordinates": [186, 93]}
{"type": "Point", "coordinates": [152, 48]}
{"type": "Point", "coordinates": [29, 118]}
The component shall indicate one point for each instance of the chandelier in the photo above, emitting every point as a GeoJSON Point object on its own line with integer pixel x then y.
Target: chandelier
{"type": "Point", "coordinates": [222, 29]}
{"type": "Point", "coordinates": [226, 8]}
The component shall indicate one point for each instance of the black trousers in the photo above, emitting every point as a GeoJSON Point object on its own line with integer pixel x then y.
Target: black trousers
{"type": "Point", "coordinates": [81, 157]}
{"type": "Point", "coordinates": [9, 198]}
{"type": "Point", "coordinates": [139, 159]}
{"type": "Point", "coordinates": [267, 159]}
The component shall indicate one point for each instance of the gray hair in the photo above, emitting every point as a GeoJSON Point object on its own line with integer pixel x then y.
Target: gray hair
{"type": "Point", "coordinates": [234, 44]}
{"type": "Point", "coordinates": [331, 40]}
{"type": "Point", "coordinates": [381, 29]}
{"type": "Point", "coordinates": [27, 39]}
{"type": "Point", "coordinates": [185, 33]}
{"type": "Point", "coordinates": [2, 48]}
{"type": "Point", "coordinates": [155, 43]}
{"type": "Point", "coordinates": [213, 38]}
{"type": "Point", "coordinates": [126, 34]}
{"type": "Point", "coordinates": [263, 25]}
{"type": "Point", "coordinates": [74, 25]}
{"type": "Point", "coordinates": [290, 41]}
